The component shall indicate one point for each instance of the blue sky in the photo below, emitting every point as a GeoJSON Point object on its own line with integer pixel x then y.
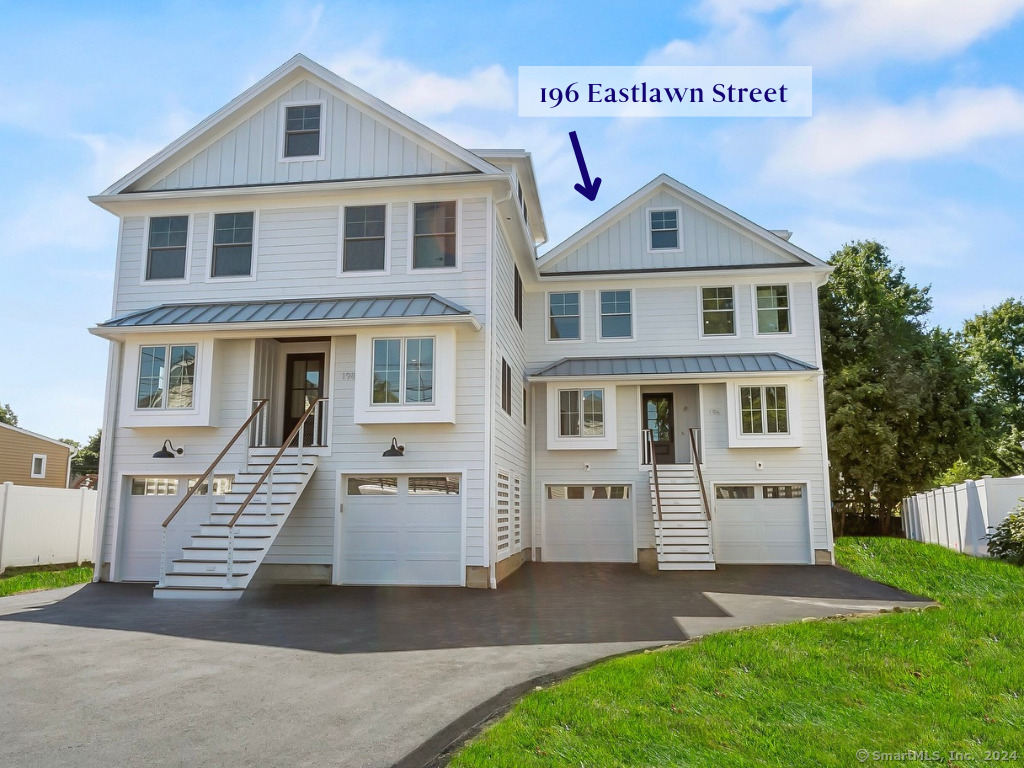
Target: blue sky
{"type": "Point", "coordinates": [917, 137]}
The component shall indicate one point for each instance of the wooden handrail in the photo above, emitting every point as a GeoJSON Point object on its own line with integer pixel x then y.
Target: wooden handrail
{"type": "Point", "coordinates": [649, 436]}
{"type": "Point", "coordinates": [221, 455]}
{"type": "Point", "coordinates": [270, 467]}
{"type": "Point", "coordinates": [694, 454]}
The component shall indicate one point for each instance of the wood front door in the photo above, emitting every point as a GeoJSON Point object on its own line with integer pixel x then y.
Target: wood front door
{"type": "Point", "coordinates": [304, 385]}
{"type": "Point", "coordinates": [659, 418]}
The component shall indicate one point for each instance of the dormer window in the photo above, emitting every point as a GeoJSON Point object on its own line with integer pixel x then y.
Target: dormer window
{"type": "Point", "coordinates": [302, 130]}
{"type": "Point", "coordinates": [665, 230]}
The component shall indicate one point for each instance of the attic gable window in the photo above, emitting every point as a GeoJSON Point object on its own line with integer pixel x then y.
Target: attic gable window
{"type": "Point", "coordinates": [665, 230]}
{"type": "Point", "coordinates": [302, 131]}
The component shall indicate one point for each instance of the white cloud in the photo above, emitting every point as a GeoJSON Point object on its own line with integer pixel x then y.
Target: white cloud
{"type": "Point", "coordinates": [421, 93]}
{"type": "Point", "coordinates": [828, 33]}
{"type": "Point", "coordinates": [842, 142]}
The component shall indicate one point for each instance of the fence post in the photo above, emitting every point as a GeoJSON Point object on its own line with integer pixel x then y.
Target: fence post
{"type": "Point", "coordinates": [81, 522]}
{"type": "Point", "coordinates": [3, 520]}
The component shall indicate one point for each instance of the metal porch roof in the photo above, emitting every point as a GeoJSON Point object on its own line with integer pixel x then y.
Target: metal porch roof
{"type": "Point", "coordinates": [770, 362]}
{"type": "Point", "coordinates": [290, 310]}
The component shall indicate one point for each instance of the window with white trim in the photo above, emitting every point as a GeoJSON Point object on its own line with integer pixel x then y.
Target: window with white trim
{"type": "Point", "coordinates": [616, 315]}
{"type": "Point", "coordinates": [38, 465]}
{"type": "Point", "coordinates": [168, 241]}
{"type": "Point", "coordinates": [772, 308]}
{"type": "Point", "coordinates": [434, 240]}
{"type": "Point", "coordinates": [764, 411]}
{"type": "Point", "coordinates": [517, 296]}
{"type": "Point", "coordinates": [564, 315]}
{"type": "Point", "coordinates": [154, 486]}
{"type": "Point", "coordinates": [403, 371]}
{"type": "Point", "coordinates": [664, 230]}
{"type": "Point", "coordinates": [718, 306]}
{"type": "Point", "coordinates": [364, 246]}
{"type": "Point", "coordinates": [302, 131]}
{"type": "Point", "coordinates": [581, 413]}
{"type": "Point", "coordinates": [232, 244]}
{"type": "Point", "coordinates": [167, 377]}
{"type": "Point", "coordinates": [506, 387]}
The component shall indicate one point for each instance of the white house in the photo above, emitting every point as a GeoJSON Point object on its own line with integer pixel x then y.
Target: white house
{"type": "Point", "coordinates": [334, 319]}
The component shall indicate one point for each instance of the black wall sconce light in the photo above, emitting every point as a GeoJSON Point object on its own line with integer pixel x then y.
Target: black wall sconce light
{"type": "Point", "coordinates": [168, 451]}
{"type": "Point", "coordinates": [395, 449]}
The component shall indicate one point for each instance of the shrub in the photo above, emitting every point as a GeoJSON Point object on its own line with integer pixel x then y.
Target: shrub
{"type": "Point", "coordinates": [1007, 541]}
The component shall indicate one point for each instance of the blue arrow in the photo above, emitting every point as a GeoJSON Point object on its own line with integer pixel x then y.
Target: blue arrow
{"type": "Point", "coordinates": [587, 189]}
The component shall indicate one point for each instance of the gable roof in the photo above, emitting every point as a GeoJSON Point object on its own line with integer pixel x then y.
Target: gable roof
{"type": "Point", "coordinates": [70, 448]}
{"type": "Point", "coordinates": [298, 66]}
{"type": "Point", "coordinates": [666, 182]}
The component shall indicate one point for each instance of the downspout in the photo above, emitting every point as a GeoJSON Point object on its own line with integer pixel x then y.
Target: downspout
{"type": "Point", "coordinates": [105, 478]}
{"type": "Point", "coordinates": [71, 455]}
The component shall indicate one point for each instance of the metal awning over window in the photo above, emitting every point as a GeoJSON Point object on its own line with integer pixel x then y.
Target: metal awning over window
{"type": "Point", "coordinates": [676, 365]}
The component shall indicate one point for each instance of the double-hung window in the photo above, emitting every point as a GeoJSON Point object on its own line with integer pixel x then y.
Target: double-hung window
{"type": "Point", "coordinates": [581, 413]}
{"type": "Point", "coordinates": [564, 315]}
{"type": "Point", "coordinates": [168, 241]}
{"type": "Point", "coordinates": [363, 250]}
{"type": "Point", "coordinates": [506, 387]}
{"type": "Point", "coordinates": [664, 230]}
{"type": "Point", "coordinates": [232, 245]}
{"type": "Point", "coordinates": [434, 235]}
{"type": "Point", "coordinates": [764, 411]}
{"type": "Point", "coordinates": [772, 308]}
{"type": "Point", "coordinates": [403, 371]}
{"type": "Point", "coordinates": [517, 295]}
{"type": "Point", "coordinates": [616, 315]}
{"type": "Point", "coordinates": [718, 308]}
{"type": "Point", "coordinates": [302, 131]}
{"type": "Point", "coordinates": [167, 377]}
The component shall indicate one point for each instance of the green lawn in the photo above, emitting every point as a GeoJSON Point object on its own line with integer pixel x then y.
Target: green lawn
{"type": "Point", "coordinates": [28, 581]}
{"type": "Point", "coordinates": [809, 694]}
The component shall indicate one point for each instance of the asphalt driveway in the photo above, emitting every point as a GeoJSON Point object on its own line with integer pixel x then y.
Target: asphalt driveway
{"type": "Point", "coordinates": [349, 676]}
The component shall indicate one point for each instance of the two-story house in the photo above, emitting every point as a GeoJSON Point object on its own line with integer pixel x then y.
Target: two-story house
{"type": "Point", "coordinates": [335, 357]}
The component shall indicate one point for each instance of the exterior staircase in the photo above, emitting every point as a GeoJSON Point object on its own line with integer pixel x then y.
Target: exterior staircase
{"type": "Point", "coordinates": [683, 534]}
{"type": "Point", "coordinates": [201, 572]}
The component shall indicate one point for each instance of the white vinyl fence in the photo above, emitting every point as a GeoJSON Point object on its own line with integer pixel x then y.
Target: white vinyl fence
{"type": "Point", "coordinates": [960, 516]}
{"type": "Point", "coordinates": [45, 526]}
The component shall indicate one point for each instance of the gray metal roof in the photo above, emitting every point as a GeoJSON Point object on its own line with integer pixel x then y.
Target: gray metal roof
{"type": "Point", "coordinates": [771, 362]}
{"type": "Point", "coordinates": [286, 310]}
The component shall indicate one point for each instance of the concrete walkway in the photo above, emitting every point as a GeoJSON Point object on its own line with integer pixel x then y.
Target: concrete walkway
{"type": "Point", "coordinates": [104, 675]}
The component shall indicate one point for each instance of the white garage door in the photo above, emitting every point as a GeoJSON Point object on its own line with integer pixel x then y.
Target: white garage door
{"type": "Point", "coordinates": [761, 524]}
{"type": "Point", "coordinates": [402, 530]}
{"type": "Point", "coordinates": [147, 503]}
{"type": "Point", "coordinates": [588, 524]}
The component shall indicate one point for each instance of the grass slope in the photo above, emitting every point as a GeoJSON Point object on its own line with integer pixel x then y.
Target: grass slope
{"type": "Point", "coordinates": [808, 694]}
{"type": "Point", "coordinates": [33, 580]}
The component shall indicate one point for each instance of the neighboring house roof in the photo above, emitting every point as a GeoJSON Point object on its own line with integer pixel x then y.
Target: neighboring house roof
{"type": "Point", "coordinates": [664, 181]}
{"type": "Point", "coordinates": [238, 109]}
{"type": "Point", "coordinates": [70, 448]}
{"type": "Point", "coordinates": [290, 310]}
{"type": "Point", "coordinates": [771, 362]}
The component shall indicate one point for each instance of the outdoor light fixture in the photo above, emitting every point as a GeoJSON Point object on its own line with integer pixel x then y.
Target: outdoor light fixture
{"type": "Point", "coordinates": [168, 451]}
{"type": "Point", "coordinates": [395, 449]}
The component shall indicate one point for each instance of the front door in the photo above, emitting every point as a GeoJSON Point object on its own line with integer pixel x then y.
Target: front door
{"type": "Point", "coordinates": [304, 385]}
{"type": "Point", "coordinates": [658, 417]}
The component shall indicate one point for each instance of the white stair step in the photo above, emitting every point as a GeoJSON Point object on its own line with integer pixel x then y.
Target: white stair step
{"type": "Point", "coordinates": [207, 580]}
{"type": "Point", "coordinates": [685, 549]}
{"type": "Point", "coordinates": [193, 567]}
{"type": "Point", "coordinates": [686, 566]}
{"type": "Point", "coordinates": [684, 558]}
{"type": "Point", "coordinates": [197, 593]}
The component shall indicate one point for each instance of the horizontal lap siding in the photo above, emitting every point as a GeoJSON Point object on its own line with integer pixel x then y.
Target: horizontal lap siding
{"type": "Point", "coordinates": [357, 145]}
{"type": "Point", "coordinates": [511, 436]}
{"type": "Point", "coordinates": [706, 239]}
{"type": "Point", "coordinates": [297, 257]}
{"type": "Point", "coordinates": [781, 465]}
{"type": "Point", "coordinates": [667, 321]}
{"type": "Point", "coordinates": [133, 448]}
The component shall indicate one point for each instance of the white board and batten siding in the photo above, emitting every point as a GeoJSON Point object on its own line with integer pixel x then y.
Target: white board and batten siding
{"type": "Point", "coordinates": [510, 434]}
{"type": "Point", "coordinates": [358, 145]}
{"type": "Point", "coordinates": [296, 256]}
{"type": "Point", "coordinates": [707, 240]}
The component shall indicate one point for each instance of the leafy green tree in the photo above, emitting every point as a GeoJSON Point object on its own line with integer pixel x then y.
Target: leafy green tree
{"type": "Point", "coordinates": [7, 416]}
{"type": "Point", "coordinates": [87, 460]}
{"type": "Point", "coordinates": [899, 399]}
{"type": "Point", "coordinates": [994, 342]}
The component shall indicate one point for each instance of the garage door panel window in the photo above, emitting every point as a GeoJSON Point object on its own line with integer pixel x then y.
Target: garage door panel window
{"type": "Point", "coordinates": [783, 491]}
{"type": "Point", "coordinates": [612, 492]}
{"type": "Point", "coordinates": [434, 485]}
{"type": "Point", "coordinates": [373, 486]}
{"type": "Point", "coordinates": [154, 486]}
{"type": "Point", "coordinates": [764, 410]}
{"type": "Point", "coordinates": [734, 492]}
{"type": "Point", "coordinates": [581, 413]}
{"type": "Point", "coordinates": [221, 486]}
{"type": "Point", "coordinates": [566, 491]}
